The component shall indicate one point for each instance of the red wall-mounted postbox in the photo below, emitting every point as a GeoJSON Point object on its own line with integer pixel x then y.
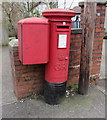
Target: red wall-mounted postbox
{"type": "Point", "coordinates": [33, 36]}
{"type": "Point", "coordinates": [56, 71]}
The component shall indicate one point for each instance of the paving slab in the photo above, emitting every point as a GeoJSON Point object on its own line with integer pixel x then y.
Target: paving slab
{"type": "Point", "coordinates": [74, 106]}
{"type": "Point", "coordinates": [7, 81]}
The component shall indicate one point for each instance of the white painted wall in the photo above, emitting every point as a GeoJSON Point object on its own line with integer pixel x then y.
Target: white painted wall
{"type": "Point", "coordinates": [106, 20]}
{"type": "Point", "coordinates": [5, 39]}
{"type": "Point", "coordinates": [3, 31]}
{"type": "Point", "coordinates": [103, 70]}
{"type": "Point", "coordinates": [0, 25]}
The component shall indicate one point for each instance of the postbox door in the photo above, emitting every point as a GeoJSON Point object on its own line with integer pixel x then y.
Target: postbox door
{"type": "Point", "coordinates": [57, 68]}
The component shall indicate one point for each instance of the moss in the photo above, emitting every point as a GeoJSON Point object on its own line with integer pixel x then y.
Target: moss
{"type": "Point", "coordinates": [3, 45]}
{"type": "Point", "coordinates": [10, 38]}
{"type": "Point", "coordinates": [104, 79]}
{"type": "Point", "coordinates": [74, 86]}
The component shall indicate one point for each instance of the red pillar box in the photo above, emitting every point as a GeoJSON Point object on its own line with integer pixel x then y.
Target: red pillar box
{"type": "Point", "coordinates": [56, 71]}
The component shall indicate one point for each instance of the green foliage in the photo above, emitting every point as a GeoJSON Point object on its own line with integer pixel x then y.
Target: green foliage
{"type": "Point", "coordinates": [27, 16]}
{"type": "Point", "coordinates": [74, 86]}
{"type": "Point", "coordinates": [10, 38]}
{"type": "Point", "coordinates": [37, 13]}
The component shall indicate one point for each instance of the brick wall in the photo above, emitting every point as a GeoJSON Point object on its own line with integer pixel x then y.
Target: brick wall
{"type": "Point", "coordinates": [98, 39]}
{"type": "Point", "coordinates": [29, 79]}
{"type": "Point", "coordinates": [75, 54]}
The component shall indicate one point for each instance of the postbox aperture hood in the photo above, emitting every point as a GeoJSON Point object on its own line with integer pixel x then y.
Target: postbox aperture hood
{"type": "Point", "coordinates": [58, 12]}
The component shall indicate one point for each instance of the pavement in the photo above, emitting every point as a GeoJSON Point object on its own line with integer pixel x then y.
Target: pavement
{"type": "Point", "coordinates": [72, 105]}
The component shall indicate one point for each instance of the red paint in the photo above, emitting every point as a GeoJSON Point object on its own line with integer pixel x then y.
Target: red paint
{"type": "Point", "coordinates": [60, 24]}
{"type": "Point", "coordinates": [33, 35]}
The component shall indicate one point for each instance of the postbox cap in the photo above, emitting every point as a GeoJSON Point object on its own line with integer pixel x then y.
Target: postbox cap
{"type": "Point", "coordinates": [58, 12]}
{"type": "Point", "coordinates": [36, 20]}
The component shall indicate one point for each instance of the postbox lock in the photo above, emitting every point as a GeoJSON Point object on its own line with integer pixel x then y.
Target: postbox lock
{"type": "Point", "coordinates": [66, 58]}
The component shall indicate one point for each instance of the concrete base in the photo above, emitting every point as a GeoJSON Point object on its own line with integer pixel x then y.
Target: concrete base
{"type": "Point", "coordinates": [54, 92]}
